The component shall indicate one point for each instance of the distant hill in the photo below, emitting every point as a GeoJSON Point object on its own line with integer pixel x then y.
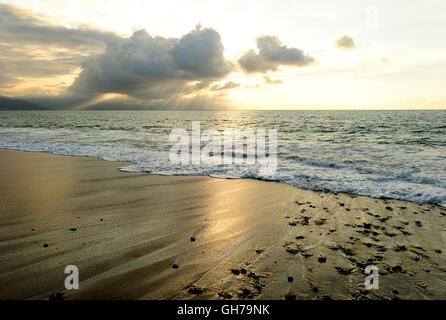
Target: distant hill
{"type": "Point", "coordinates": [18, 104]}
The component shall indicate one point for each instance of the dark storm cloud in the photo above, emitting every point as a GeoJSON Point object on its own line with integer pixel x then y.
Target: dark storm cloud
{"type": "Point", "coordinates": [155, 67]}
{"type": "Point", "coordinates": [199, 54]}
{"type": "Point", "coordinates": [271, 55]}
{"type": "Point", "coordinates": [152, 72]}
{"type": "Point", "coordinates": [345, 42]}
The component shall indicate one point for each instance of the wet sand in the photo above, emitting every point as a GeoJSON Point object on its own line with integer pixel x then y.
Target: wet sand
{"type": "Point", "coordinates": [141, 236]}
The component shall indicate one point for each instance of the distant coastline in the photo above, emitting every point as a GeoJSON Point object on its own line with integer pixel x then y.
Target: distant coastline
{"type": "Point", "coordinates": [10, 104]}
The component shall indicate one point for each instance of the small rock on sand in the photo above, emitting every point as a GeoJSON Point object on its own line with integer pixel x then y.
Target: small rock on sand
{"type": "Point", "coordinates": [224, 295]}
{"type": "Point", "coordinates": [235, 271]}
{"type": "Point", "coordinates": [195, 290]}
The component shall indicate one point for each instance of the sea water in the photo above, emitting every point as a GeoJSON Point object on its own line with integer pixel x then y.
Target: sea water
{"type": "Point", "coordinates": [393, 154]}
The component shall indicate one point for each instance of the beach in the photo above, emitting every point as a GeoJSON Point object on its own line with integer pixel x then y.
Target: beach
{"type": "Point", "coordinates": [140, 236]}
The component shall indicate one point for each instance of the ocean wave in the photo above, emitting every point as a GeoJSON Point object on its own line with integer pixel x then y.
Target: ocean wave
{"type": "Point", "coordinates": [308, 174]}
{"type": "Point", "coordinates": [398, 155]}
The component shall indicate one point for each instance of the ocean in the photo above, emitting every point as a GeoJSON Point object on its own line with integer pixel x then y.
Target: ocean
{"type": "Point", "coordinates": [392, 154]}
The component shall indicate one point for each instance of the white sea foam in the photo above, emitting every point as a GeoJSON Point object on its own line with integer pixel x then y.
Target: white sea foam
{"type": "Point", "coordinates": [311, 158]}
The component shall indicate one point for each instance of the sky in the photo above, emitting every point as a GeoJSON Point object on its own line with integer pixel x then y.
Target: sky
{"type": "Point", "coordinates": [240, 54]}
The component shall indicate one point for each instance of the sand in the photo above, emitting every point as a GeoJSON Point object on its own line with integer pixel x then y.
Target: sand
{"type": "Point", "coordinates": [141, 236]}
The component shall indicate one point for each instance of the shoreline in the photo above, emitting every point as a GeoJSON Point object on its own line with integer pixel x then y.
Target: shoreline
{"type": "Point", "coordinates": [253, 239]}
{"type": "Point", "coordinates": [199, 175]}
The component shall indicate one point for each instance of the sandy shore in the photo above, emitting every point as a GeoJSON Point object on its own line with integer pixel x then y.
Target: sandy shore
{"type": "Point", "coordinates": [252, 239]}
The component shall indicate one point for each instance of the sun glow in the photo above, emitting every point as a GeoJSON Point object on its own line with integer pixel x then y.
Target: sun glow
{"type": "Point", "coordinates": [391, 64]}
{"type": "Point", "coordinates": [102, 98]}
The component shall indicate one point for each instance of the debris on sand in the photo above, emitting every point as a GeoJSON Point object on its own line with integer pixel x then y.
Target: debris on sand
{"type": "Point", "coordinates": [196, 290]}
{"type": "Point", "coordinates": [235, 271]}
{"type": "Point", "coordinates": [292, 250]}
{"type": "Point", "coordinates": [224, 295]}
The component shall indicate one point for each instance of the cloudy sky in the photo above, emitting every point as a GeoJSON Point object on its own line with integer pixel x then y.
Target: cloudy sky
{"type": "Point", "coordinates": [243, 54]}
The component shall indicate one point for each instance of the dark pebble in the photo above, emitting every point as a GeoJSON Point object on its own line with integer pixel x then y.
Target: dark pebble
{"type": "Point", "coordinates": [224, 295]}
{"type": "Point", "coordinates": [290, 279]}
{"type": "Point", "coordinates": [175, 266]}
{"type": "Point", "coordinates": [195, 290]}
{"type": "Point", "coordinates": [235, 271]}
